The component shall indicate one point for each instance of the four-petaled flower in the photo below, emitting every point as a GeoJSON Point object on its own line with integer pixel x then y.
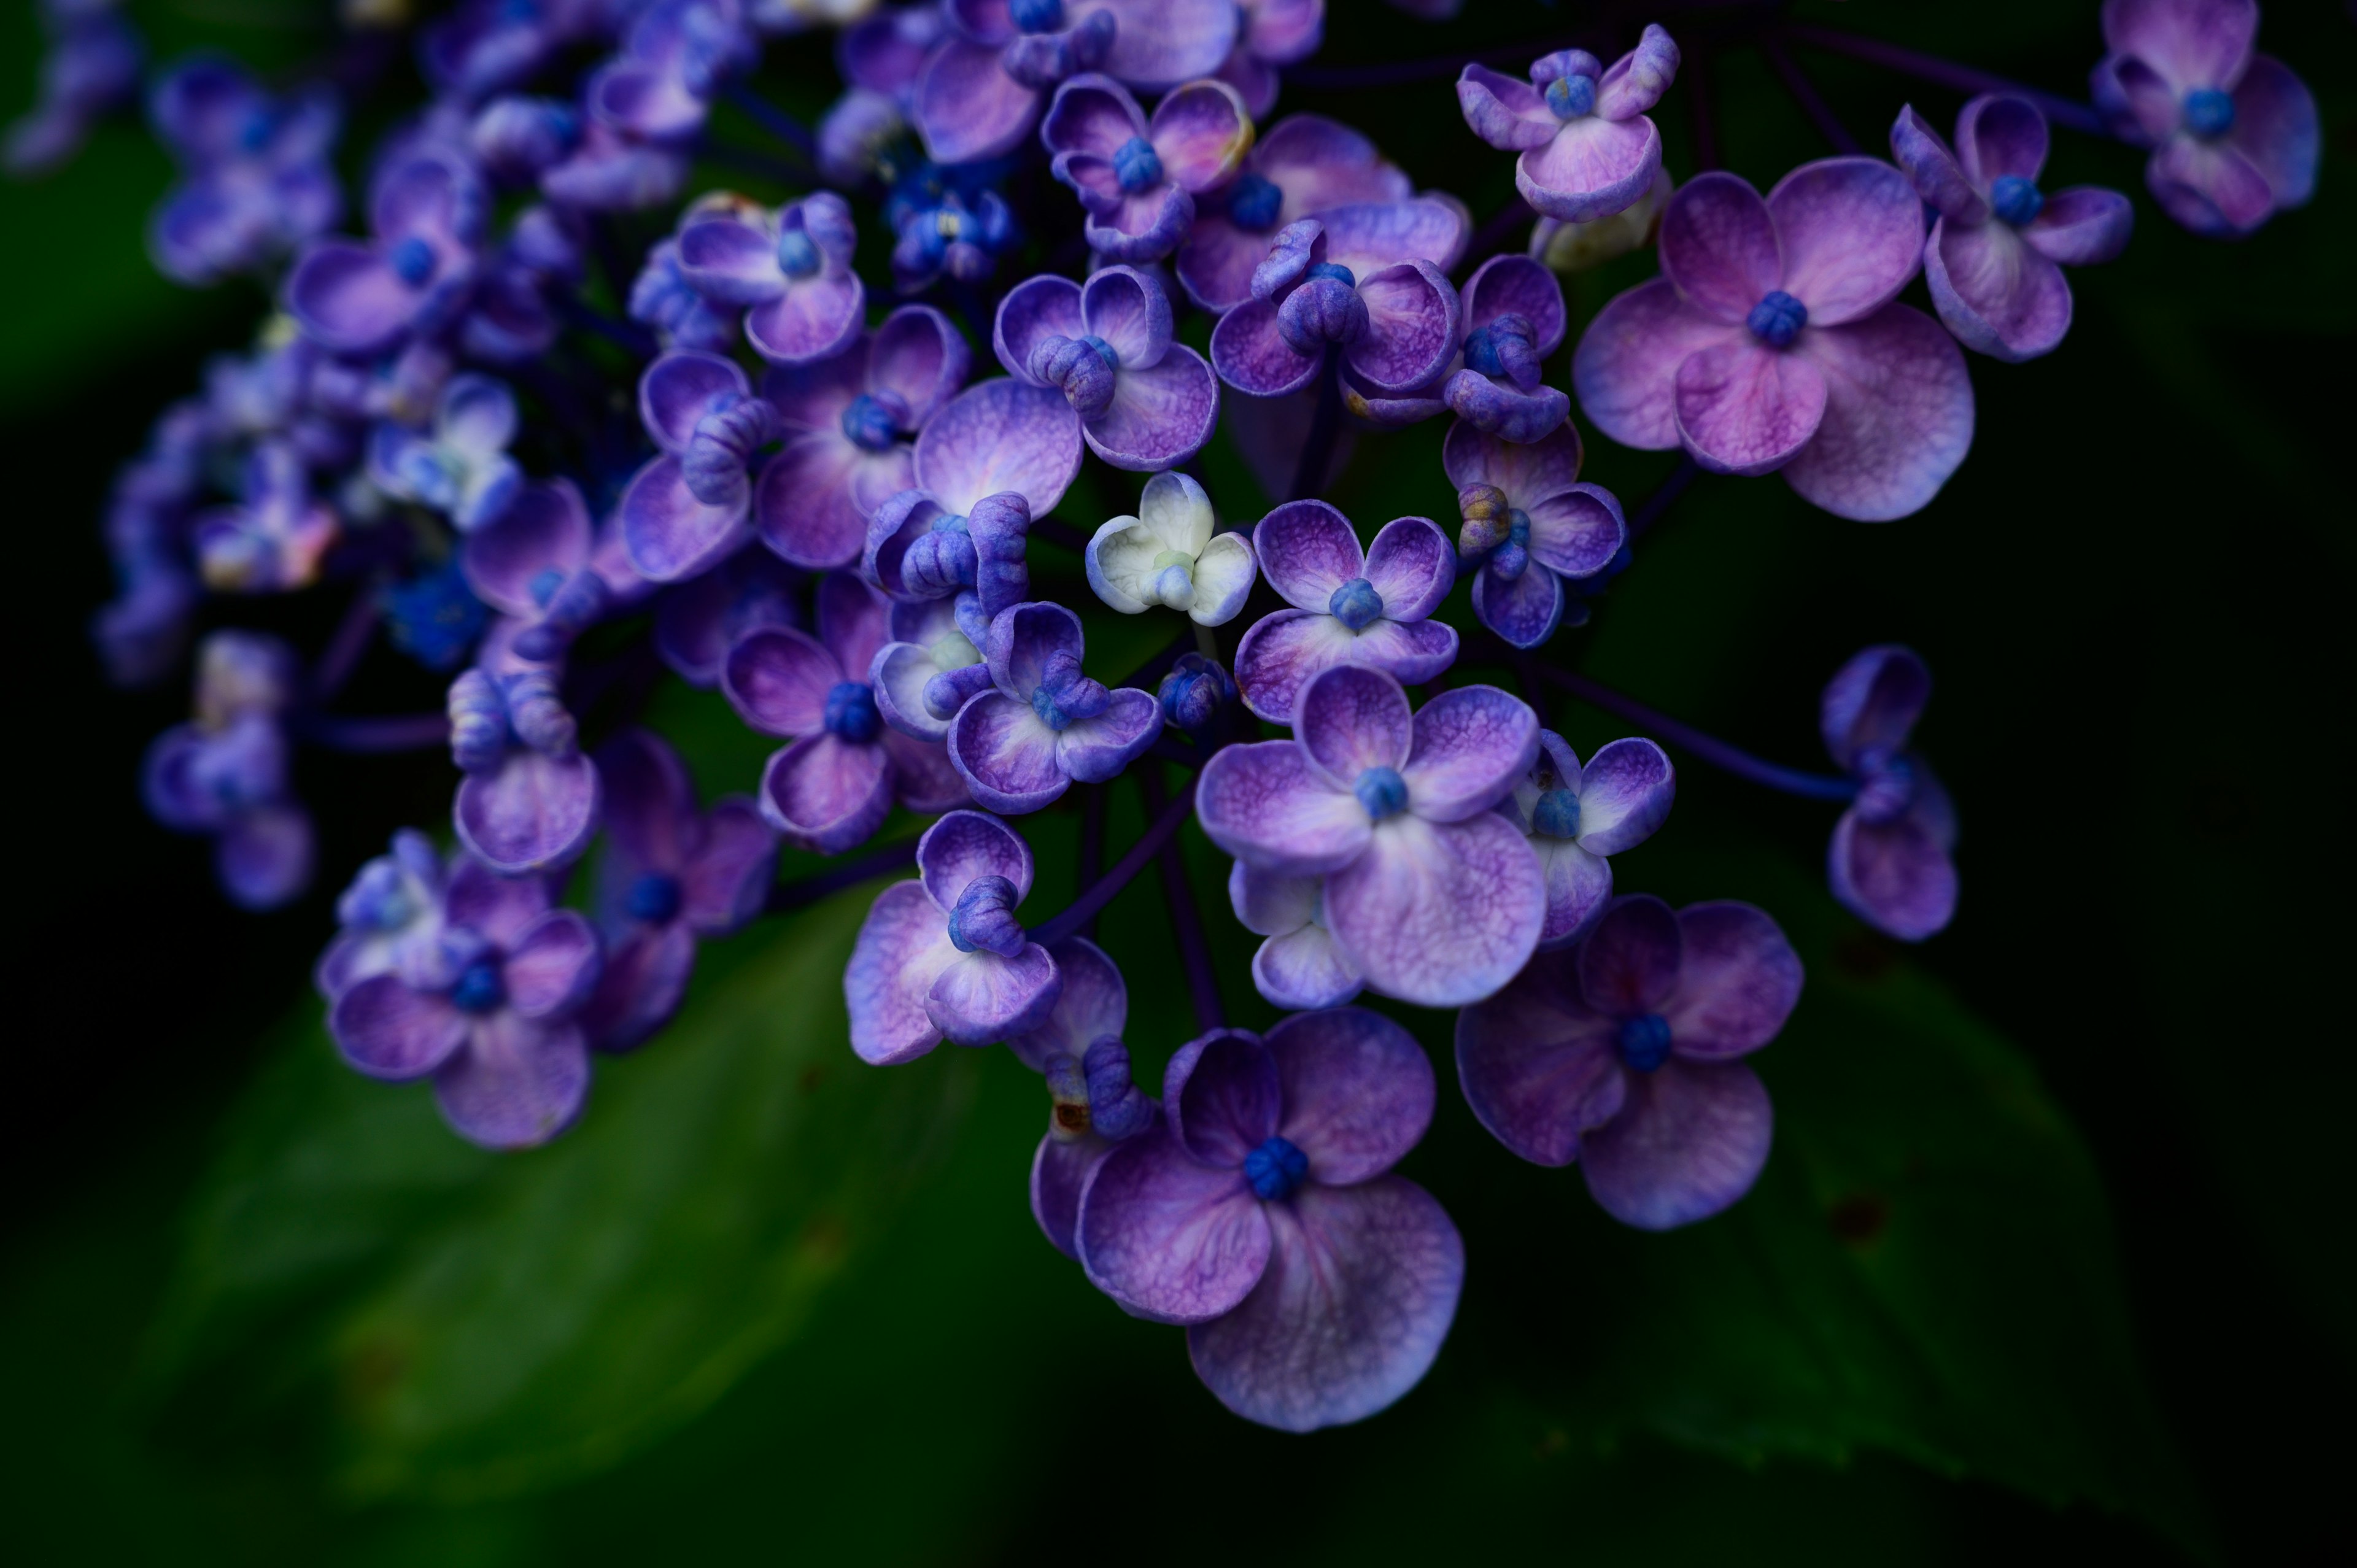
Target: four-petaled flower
{"type": "Point", "coordinates": [1350, 607]}
{"type": "Point", "coordinates": [276, 538]}
{"type": "Point", "coordinates": [1094, 1103]}
{"type": "Point", "coordinates": [1529, 524]}
{"type": "Point", "coordinates": [255, 181]}
{"type": "Point", "coordinates": [1513, 318]}
{"type": "Point", "coordinates": [1889, 862]}
{"type": "Point", "coordinates": [224, 773]}
{"type": "Point", "coordinates": [792, 270]}
{"type": "Point", "coordinates": [459, 467]}
{"type": "Point", "coordinates": [1587, 148]}
{"type": "Point", "coordinates": [1168, 555]}
{"type": "Point", "coordinates": [1145, 403]}
{"type": "Point", "coordinates": [390, 918]}
{"type": "Point", "coordinates": [427, 210]}
{"type": "Point", "coordinates": [929, 671]}
{"type": "Point", "coordinates": [1047, 725]}
{"type": "Point", "coordinates": [1316, 1286]}
{"type": "Point", "coordinates": [1576, 817]}
{"type": "Point", "coordinates": [1137, 179]}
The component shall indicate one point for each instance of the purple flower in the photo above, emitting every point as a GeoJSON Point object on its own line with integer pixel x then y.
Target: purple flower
{"type": "Point", "coordinates": [1078, 1049]}
{"type": "Point", "coordinates": [929, 671]}
{"type": "Point", "coordinates": [1772, 340]}
{"type": "Point", "coordinates": [981, 86]}
{"type": "Point", "coordinates": [493, 1023]}
{"type": "Point", "coordinates": [2234, 133]}
{"type": "Point", "coordinates": [661, 298]}
{"type": "Point", "coordinates": [1145, 403]}
{"type": "Point", "coordinates": [1306, 165]}
{"type": "Point", "coordinates": [1137, 180]}
{"type": "Point", "coordinates": [670, 875]}
{"type": "Point", "coordinates": [692, 505]}
{"type": "Point", "coordinates": [1575, 818]}
{"type": "Point", "coordinates": [427, 208]}
{"type": "Point", "coordinates": [1890, 860]}
{"type": "Point", "coordinates": [1316, 1286]}
{"type": "Point", "coordinates": [433, 616]}
{"type": "Point", "coordinates": [1587, 148]}
{"type": "Point", "coordinates": [609, 173]}
{"type": "Point", "coordinates": [857, 136]}
{"type": "Point", "coordinates": [1168, 554]}
{"type": "Point", "coordinates": [1047, 725]}
{"type": "Point", "coordinates": [391, 920]}
{"type": "Point", "coordinates": [224, 774]}
{"type": "Point", "coordinates": [1350, 607]}
{"type": "Point", "coordinates": [1270, 33]}
{"type": "Point", "coordinates": [461, 468]}
{"type": "Point", "coordinates": [1991, 257]}
{"type": "Point", "coordinates": [834, 785]}
{"type": "Point", "coordinates": [275, 538]}
{"type": "Point", "coordinates": [91, 66]}
{"type": "Point", "coordinates": [945, 232]}
{"type": "Point", "coordinates": [537, 563]}
{"type": "Point", "coordinates": [846, 422]}
{"type": "Point", "coordinates": [1619, 1053]}
{"type": "Point", "coordinates": [792, 270]}
{"type": "Point", "coordinates": [488, 46]}
{"type": "Point", "coordinates": [1300, 964]}
{"type": "Point", "coordinates": [255, 181]}
{"type": "Point", "coordinates": [1529, 524]}
{"type": "Point", "coordinates": [943, 957]}
{"type": "Point", "coordinates": [1370, 283]}
{"type": "Point", "coordinates": [678, 54]}
{"type": "Point", "coordinates": [516, 138]}
{"type": "Point", "coordinates": [697, 621]}
{"type": "Point", "coordinates": [1513, 318]}
{"type": "Point", "coordinates": [530, 800]}
{"type": "Point", "coordinates": [1000, 455]}
{"type": "Point", "coordinates": [1429, 895]}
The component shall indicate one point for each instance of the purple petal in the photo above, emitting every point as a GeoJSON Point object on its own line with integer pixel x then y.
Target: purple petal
{"type": "Point", "coordinates": [921, 357]}
{"type": "Point", "coordinates": [980, 998]}
{"type": "Point", "coordinates": [1579, 883]}
{"type": "Point", "coordinates": [1201, 132]}
{"type": "Point", "coordinates": [814, 396]}
{"type": "Point", "coordinates": [1251, 354]}
{"type": "Point", "coordinates": [1305, 969]}
{"type": "Point", "coordinates": [534, 812]}
{"type": "Point", "coordinates": [1537, 1066]}
{"type": "Point", "coordinates": [1745, 408]}
{"type": "Point", "coordinates": [387, 1030]}
{"type": "Point", "coordinates": [1503, 111]}
{"type": "Point", "coordinates": [1168, 1238]}
{"type": "Point", "coordinates": [1472, 743]}
{"type": "Point", "coordinates": [853, 621]}
{"type": "Point", "coordinates": [1026, 640]}
{"type": "Point", "coordinates": [1872, 702]}
{"type": "Point", "coordinates": [1503, 409]}
{"type": "Point", "coordinates": [1360, 1290]}
{"type": "Point", "coordinates": [2082, 225]}
{"type": "Point", "coordinates": [349, 300]}
{"type": "Point", "coordinates": [1636, 79]}
{"type": "Point", "coordinates": [2000, 134]}
{"type": "Point", "coordinates": [807, 500]}
{"type": "Point", "coordinates": [551, 967]}
{"type": "Point", "coordinates": [1899, 416]}
{"type": "Point", "coordinates": [1368, 236]}
{"type": "Point", "coordinates": [1414, 328]}
{"type": "Point", "coordinates": [1411, 565]}
{"type": "Point", "coordinates": [643, 101]}
{"type": "Point", "coordinates": [1223, 1096]}
{"type": "Point", "coordinates": [1281, 651]}
{"type": "Point", "coordinates": [1093, 750]}
{"type": "Point", "coordinates": [1439, 914]}
{"type": "Point", "coordinates": [1093, 113]}
{"type": "Point", "coordinates": [1128, 309]}
{"type": "Point", "coordinates": [884, 52]}
{"type": "Point", "coordinates": [1005, 755]}
{"type": "Point", "coordinates": [1737, 983]}
{"type": "Point", "coordinates": [902, 948]}
{"type": "Point", "coordinates": [1517, 285]}
{"type": "Point", "coordinates": [1719, 247]}
{"type": "Point", "coordinates": [1095, 1004]}
{"type": "Point", "coordinates": [724, 883]}
{"type": "Point", "coordinates": [2276, 128]}
{"type": "Point", "coordinates": [1592, 168]}
{"type": "Point", "coordinates": [1995, 292]}
{"type": "Point", "coordinates": [667, 533]}
{"type": "Point", "coordinates": [697, 621]}
{"type": "Point", "coordinates": [1160, 43]}
{"type": "Point", "coordinates": [649, 801]}
{"type": "Point", "coordinates": [1626, 367]}
{"type": "Point", "coordinates": [517, 1083]}
{"type": "Point", "coordinates": [264, 858]}
{"type": "Point", "coordinates": [924, 778]}
{"type": "Point", "coordinates": [1896, 876]}
{"type": "Point", "coordinates": [640, 986]}
{"type": "Point", "coordinates": [1160, 416]}
{"type": "Point", "coordinates": [1349, 719]}
{"type": "Point", "coordinates": [1852, 232]}
{"type": "Point", "coordinates": [1307, 550]}
{"type": "Point", "coordinates": [967, 108]}
{"type": "Point", "coordinates": [1034, 310]}
{"type": "Point", "coordinates": [1629, 965]}
{"type": "Point", "coordinates": [1263, 804]}
{"type": "Point", "coordinates": [1576, 530]}
{"type": "Point", "coordinates": [730, 259]}
{"type": "Point", "coordinates": [544, 529]}
{"type": "Point", "coordinates": [1526, 609]}
{"type": "Point", "coordinates": [1058, 1171]}
{"type": "Point", "coordinates": [813, 318]}
{"type": "Point", "coordinates": [2208, 188]}
{"type": "Point", "coordinates": [1283, 31]}
{"type": "Point", "coordinates": [681, 388]}
{"type": "Point", "coordinates": [965, 845]}
{"type": "Point", "coordinates": [1357, 1090]}
{"type": "Point", "coordinates": [2192, 43]}
{"type": "Point", "coordinates": [824, 794]}
{"type": "Point", "coordinates": [777, 679]}
{"type": "Point", "coordinates": [1525, 471]}
{"type": "Point", "coordinates": [1689, 1141]}
{"type": "Point", "coordinates": [1937, 177]}
{"type": "Point", "coordinates": [1624, 795]}
{"type": "Point", "coordinates": [1000, 435]}
{"type": "Point", "coordinates": [494, 906]}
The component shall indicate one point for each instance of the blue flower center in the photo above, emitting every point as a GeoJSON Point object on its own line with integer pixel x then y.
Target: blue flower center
{"type": "Point", "coordinates": [411, 261]}
{"type": "Point", "coordinates": [850, 712]}
{"type": "Point", "coordinates": [1518, 526]}
{"type": "Point", "coordinates": [653, 897]}
{"type": "Point", "coordinates": [543, 586]}
{"type": "Point", "coordinates": [479, 988]}
{"type": "Point", "coordinates": [2016, 199]}
{"type": "Point", "coordinates": [868, 424]}
{"type": "Point", "coordinates": [1777, 319]}
{"type": "Point", "coordinates": [1381, 791]}
{"type": "Point", "coordinates": [948, 522]}
{"type": "Point", "coordinates": [1556, 815]}
{"type": "Point", "coordinates": [1334, 270]}
{"type": "Point", "coordinates": [1482, 353]}
{"type": "Point", "coordinates": [1044, 703]}
{"type": "Point", "coordinates": [1136, 165]}
{"type": "Point", "coordinates": [2209, 113]}
{"type": "Point", "coordinates": [1645, 1042]}
{"type": "Point", "coordinates": [1571, 96]}
{"type": "Point", "coordinates": [1254, 202]}
{"type": "Point", "coordinates": [1355, 604]}
{"type": "Point", "coordinates": [1103, 351]}
{"type": "Point", "coordinates": [797, 254]}
{"type": "Point", "coordinates": [983, 918]}
{"type": "Point", "coordinates": [1037, 15]}
{"type": "Point", "coordinates": [1276, 1169]}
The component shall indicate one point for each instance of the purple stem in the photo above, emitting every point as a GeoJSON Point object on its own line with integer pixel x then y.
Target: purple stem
{"type": "Point", "coordinates": [776, 121]}
{"type": "Point", "coordinates": [785, 896]}
{"type": "Point", "coordinates": [1805, 92]}
{"type": "Point", "coordinates": [401, 731]}
{"type": "Point", "coordinates": [1710, 749]}
{"type": "Point", "coordinates": [342, 654]}
{"type": "Point", "coordinates": [2063, 112]}
{"type": "Point", "coordinates": [1186, 920]}
{"type": "Point", "coordinates": [1663, 495]}
{"type": "Point", "coordinates": [1325, 424]}
{"type": "Point", "coordinates": [1076, 915]}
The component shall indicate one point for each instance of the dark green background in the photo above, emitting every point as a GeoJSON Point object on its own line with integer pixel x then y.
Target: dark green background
{"type": "Point", "coordinates": [2051, 1258]}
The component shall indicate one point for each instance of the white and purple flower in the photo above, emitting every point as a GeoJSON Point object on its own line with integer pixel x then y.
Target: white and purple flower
{"type": "Point", "coordinates": [1145, 403]}
{"type": "Point", "coordinates": [1587, 148]}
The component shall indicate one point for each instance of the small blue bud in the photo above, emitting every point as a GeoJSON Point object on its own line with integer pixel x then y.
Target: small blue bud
{"type": "Point", "coordinates": [1571, 96]}
{"type": "Point", "coordinates": [1043, 702]}
{"type": "Point", "coordinates": [1136, 165]}
{"type": "Point", "coordinates": [2016, 199]}
{"type": "Point", "coordinates": [1103, 351]}
{"type": "Point", "coordinates": [1645, 1042]}
{"type": "Point", "coordinates": [797, 254]}
{"type": "Point", "coordinates": [1556, 815]}
{"type": "Point", "coordinates": [2209, 113]}
{"type": "Point", "coordinates": [411, 261]}
{"type": "Point", "coordinates": [1356, 604]}
{"type": "Point", "coordinates": [1254, 202]}
{"type": "Point", "coordinates": [1381, 791]}
{"type": "Point", "coordinates": [479, 988]}
{"type": "Point", "coordinates": [985, 919]}
{"type": "Point", "coordinates": [1334, 270]}
{"type": "Point", "coordinates": [851, 714]}
{"type": "Point", "coordinates": [1276, 1169]}
{"type": "Point", "coordinates": [544, 584]}
{"type": "Point", "coordinates": [1037, 15]}
{"type": "Point", "coordinates": [1194, 692]}
{"type": "Point", "coordinates": [653, 897]}
{"type": "Point", "coordinates": [868, 424]}
{"type": "Point", "coordinates": [1777, 319]}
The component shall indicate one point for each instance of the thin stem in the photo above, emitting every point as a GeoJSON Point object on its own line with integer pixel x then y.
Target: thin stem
{"type": "Point", "coordinates": [1663, 495]}
{"type": "Point", "coordinates": [2063, 112]}
{"type": "Point", "coordinates": [342, 654]}
{"type": "Point", "coordinates": [1092, 837]}
{"type": "Point", "coordinates": [400, 732]}
{"type": "Point", "coordinates": [1325, 424]}
{"type": "Point", "coordinates": [1805, 92]}
{"type": "Point", "coordinates": [1186, 920]}
{"type": "Point", "coordinates": [1710, 749]}
{"type": "Point", "coordinates": [785, 896]}
{"type": "Point", "coordinates": [774, 120]}
{"type": "Point", "coordinates": [1084, 908]}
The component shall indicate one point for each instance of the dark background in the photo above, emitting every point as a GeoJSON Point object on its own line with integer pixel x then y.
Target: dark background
{"type": "Point", "coordinates": [2052, 1257]}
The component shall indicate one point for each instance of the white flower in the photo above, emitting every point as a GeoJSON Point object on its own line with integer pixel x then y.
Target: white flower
{"type": "Point", "coordinates": [1168, 554]}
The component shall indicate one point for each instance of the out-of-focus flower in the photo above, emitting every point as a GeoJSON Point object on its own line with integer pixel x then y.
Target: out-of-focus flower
{"type": "Point", "coordinates": [1891, 858]}
{"type": "Point", "coordinates": [224, 774]}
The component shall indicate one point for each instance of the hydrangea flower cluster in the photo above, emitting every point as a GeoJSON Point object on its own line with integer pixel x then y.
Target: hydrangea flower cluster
{"type": "Point", "coordinates": [558, 431]}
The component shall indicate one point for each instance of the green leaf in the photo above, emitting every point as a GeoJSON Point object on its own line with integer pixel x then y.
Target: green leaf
{"type": "Point", "coordinates": [491, 1323]}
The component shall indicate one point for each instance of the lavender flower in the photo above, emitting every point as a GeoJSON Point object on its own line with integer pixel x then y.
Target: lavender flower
{"type": "Point", "coordinates": [1621, 1053]}
{"type": "Point", "coordinates": [697, 621]}
{"type": "Point", "coordinates": [517, 139]}
{"type": "Point", "coordinates": [1890, 860]}
{"type": "Point", "coordinates": [1305, 165]}
{"type": "Point", "coordinates": [275, 538]}
{"type": "Point", "coordinates": [691, 506]}
{"type": "Point", "coordinates": [670, 876]}
{"type": "Point", "coordinates": [1269, 34]}
{"type": "Point", "coordinates": [538, 563]}
{"type": "Point", "coordinates": [677, 56]}
{"type": "Point", "coordinates": [254, 178]}
{"type": "Point", "coordinates": [943, 957]}
{"type": "Point", "coordinates": [1168, 554]}
{"type": "Point", "coordinates": [834, 785]}
{"type": "Point", "coordinates": [1772, 340]}
{"type": "Point", "coordinates": [2233, 132]}
{"type": "Point", "coordinates": [391, 917]}
{"type": "Point", "coordinates": [1137, 179]}
{"type": "Point", "coordinates": [493, 1023]}
{"type": "Point", "coordinates": [1529, 524]}
{"type": "Point", "coordinates": [794, 271]}
{"type": "Point", "coordinates": [1513, 318]}
{"type": "Point", "coordinates": [928, 671]}
{"type": "Point", "coordinates": [661, 299]}
{"type": "Point", "coordinates": [1350, 607]}
{"type": "Point", "coordinates": [1575, 818]}
{"type": "Point", "coordinates": [1047, 725]}
{"type": "Point", "coordinates": [608, 172]}
{"type": "Point", "coordinates": [224, 774]}
{"type": "Point", "coordinates": [484, 46]}
{"type": "Point", "coordinates": [1094, 1105]}
{"type": "Point", "coordinates": [461, 468]}
{"type": "Point", "coordinates": [427, 208]}
{"type": "Point", "coordinates": [1145, 403]}
{"type": "Point", "coordinates": [942, 232]}
{"type": "Point", "coordinates": [529, 801]}
{"type": "Point", "coordinates": [1430, 896]}
{"type": "Point", "coordinates": [1991, 258]}
{"type": "Point", "coordinates": [1300, 964]}
{"type": "Point", "coordinates": [91, 67]}
{"type": "Point", "coordinates": [1587, 148]}
{"type": "Point", "coordinates": [1316, 1287]}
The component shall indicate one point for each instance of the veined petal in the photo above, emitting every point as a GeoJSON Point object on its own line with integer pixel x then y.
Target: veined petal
{"type": "Point", "coordinates": [1625, 370]}
{"type": "Point", "coordinates": [1307, 549]}
{"type": "Point", "coordinates": [903, 947]}
{"type": "Point", "coordinates": [1168, 1238]}
{"type": "Point", "coordinates": [534, 812]}
{"type": "Point", "coordinates": [1262, 804]}
{"type": "Point", "coordinates": [1719, 248]}
{"type": "Point", "coordinates": [1995, 292]}
{"type": "Point", "coordinates": [1472, 743]}
{"type": "Point", "coordinates": [980, 998]}
{"type": "Point", "coordinates": [1851, 232]}
{"type": "Point", "coordinates": [1625, 793]}
{"type": "Point", "coordinates": [1252, 356]}
{"type": "Point", "coordinates": [387, 1030]}
{"type": "Point", "coordinates": [1440, 914]}
{"type": "Point", "coordinates": [1005, 755]}
{"type": "Point", "coordinates": [1743, 408]}
{"type": "Point", "coordinates": [1689, 1141]}
{"type": "Point", "coordinates": [1093, 750]}
{"type": "Point", "coordinates": [824, 794]}
{"type": "Point", "coordinates": [517, 1084]}
{"type": "Point", "coordinates": [1737, 981]}
{"type": "Point", "coordinates": [1537, 1065]}
{"type": "Point", "coordinates": [1899, 416]}
{"type": "Point", "coordinates": [1161, 415]}
{"type": "Point", "coordinates": [1357, 1091]}
{"type": "Point", "coordinates": [1592, 168]}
